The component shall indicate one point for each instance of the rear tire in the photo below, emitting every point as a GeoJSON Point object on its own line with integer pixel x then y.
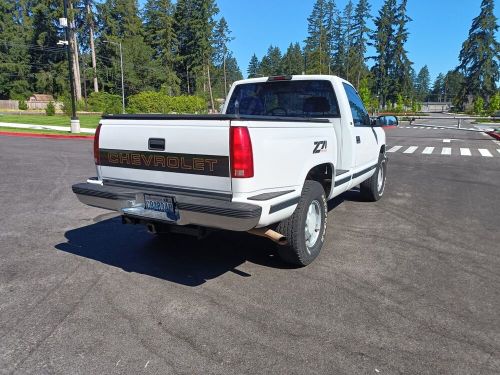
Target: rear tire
{"type": "Point", "coordinates": [373, 188]}
{"type": "Point", "coordinates": [305, 230]}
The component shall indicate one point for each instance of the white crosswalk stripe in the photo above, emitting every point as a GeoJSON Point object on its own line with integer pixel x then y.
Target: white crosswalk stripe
{"type": "Point", "coordinates": [485, 152]}
{"type": "Point", "coordinates": [395, 148]}
{"type": "Point", "coordinates": [465, 152]}
{"type": "Point", "coordinates": [446, 151]}
{"type": "Point", "coordinates": [410, 150]}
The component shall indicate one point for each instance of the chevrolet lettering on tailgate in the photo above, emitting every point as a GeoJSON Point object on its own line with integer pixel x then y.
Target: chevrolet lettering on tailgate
{"type": "Point", "coordinates": [167, 162]}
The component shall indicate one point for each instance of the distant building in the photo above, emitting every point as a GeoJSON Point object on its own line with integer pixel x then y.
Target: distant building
{"type": "Point", "coordinates": [436, 107]}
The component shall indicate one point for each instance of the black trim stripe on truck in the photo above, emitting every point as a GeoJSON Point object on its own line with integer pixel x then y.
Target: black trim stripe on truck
{"type": "Point", "coordinates": [346, 179]}
{"type": "Point", "coordinates": [208, 165]}
{"type": "Point", "coordinates": [281, 206]}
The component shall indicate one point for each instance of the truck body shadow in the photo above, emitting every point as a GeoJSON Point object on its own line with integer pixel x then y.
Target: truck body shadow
{"type": "Point", "coordinates": [180, 259]}
{"type": "Point", "coordinates": [176, 258]}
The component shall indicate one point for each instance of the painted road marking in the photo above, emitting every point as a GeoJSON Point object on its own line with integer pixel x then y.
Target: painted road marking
{"type": "Point", "coordinates": [428, 150]}
{"type": "Point", "coordinates": [465, 152]}
{"type": "Point", "coordinates": [446, 151]}
{"type": "Point", "coordinates": [410, 150]}
{"type": "Point", "coordinates": [395, 148]}
{"type": "Point", "coordinates": [484, 152]}
{"type": "Point", "coordinates": [498, 150]}
{"type": "Point", "coordinates": [446, 140]}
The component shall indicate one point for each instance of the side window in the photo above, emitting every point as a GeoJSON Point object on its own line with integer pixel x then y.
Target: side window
{"type": "Point", "coordinates": [359, 113]}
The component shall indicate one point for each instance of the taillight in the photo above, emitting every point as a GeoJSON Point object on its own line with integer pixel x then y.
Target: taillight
{"type": "Point", "coordinates": [241, 153]}
{"type": "Point", "coordinates": [97, 157]}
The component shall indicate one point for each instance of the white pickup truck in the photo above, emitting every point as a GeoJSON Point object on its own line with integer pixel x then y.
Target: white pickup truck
{"type": "Point", "coordinates": [282, 148]}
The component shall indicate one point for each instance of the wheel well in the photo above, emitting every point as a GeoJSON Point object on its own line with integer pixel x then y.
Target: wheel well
{"type": "Point", "coordinates": [323, 174]}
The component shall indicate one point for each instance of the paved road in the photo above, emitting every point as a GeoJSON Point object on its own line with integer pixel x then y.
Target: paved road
{"type": "Point", "coordinates": [410, 284]}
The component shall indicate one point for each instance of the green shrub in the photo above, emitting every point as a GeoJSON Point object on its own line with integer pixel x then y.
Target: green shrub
{"type": "Point", "coordinates": [66, 100]}
{"type": "Point", "coordinates": [23, 105]}
{"type": "Point", "coordinates": [157, 102]}
{"type": "Point", "coordinates": [50, 110]}
{"type": "Point", "coordinates": [494, 105]}
{"type": "Point", "coordinates": [104, 102]}
{"type": "Point", "coordinates": [478, 108]}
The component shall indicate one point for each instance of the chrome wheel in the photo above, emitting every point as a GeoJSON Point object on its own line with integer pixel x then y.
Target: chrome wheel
{"type": "Point", "coordinates": [313, 224]}
{"type": "Point", "coordinates": [380, 178]}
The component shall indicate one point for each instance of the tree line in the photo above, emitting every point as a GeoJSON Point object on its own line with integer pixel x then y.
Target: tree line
{"type": "Point", "coordinates": [179, 48]}
{"type": "Point", "coordinates": [183, 48]}
{"type": "Point", "coordinates": [338, 40]}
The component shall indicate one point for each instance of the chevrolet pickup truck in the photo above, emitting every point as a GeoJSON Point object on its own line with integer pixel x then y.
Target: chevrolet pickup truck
{"type": "Point", "coordinates": [282, 148]}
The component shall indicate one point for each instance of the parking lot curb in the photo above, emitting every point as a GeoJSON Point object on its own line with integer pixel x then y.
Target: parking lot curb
{"type": "Point", "coordinates": [53, 136]}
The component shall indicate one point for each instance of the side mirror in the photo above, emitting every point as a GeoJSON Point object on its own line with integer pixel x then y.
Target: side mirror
{"type": "Point", "coordinates": [385, 121]}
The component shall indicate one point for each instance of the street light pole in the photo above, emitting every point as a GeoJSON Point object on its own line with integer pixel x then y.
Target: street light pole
{"type": "Point", "coordinates": [75, 123]}
{"type": "Point", "coordinates": [119, 44]}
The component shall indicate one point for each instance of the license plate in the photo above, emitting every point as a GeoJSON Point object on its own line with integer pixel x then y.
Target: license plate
{"type": "Point", "coordinates": [161, 204]}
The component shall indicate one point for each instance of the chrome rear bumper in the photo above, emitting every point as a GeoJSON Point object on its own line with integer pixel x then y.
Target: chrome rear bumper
{"type": "Point", "coordinates": [207, 212]}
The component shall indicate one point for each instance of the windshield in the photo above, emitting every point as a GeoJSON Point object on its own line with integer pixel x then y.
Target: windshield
{"type": "Point", "coordinates": [314, 98]}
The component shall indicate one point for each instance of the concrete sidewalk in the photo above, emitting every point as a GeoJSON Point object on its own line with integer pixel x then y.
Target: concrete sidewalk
{"type": "Point", "coordinates": [44, 127]}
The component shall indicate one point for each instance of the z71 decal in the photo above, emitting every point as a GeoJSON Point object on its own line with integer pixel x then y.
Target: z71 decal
{"type": "Point", "coordinates": [319, 146]}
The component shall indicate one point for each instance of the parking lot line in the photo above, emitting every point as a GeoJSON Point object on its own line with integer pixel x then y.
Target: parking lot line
{"type": "Point", "coordinates": [395, 148]}
{"type": "Point", "coordinates": [465, 152]}
{"type": "Point", "coordinates": [446, 151]}
{"type": "Point", "coordinates": [485, 152]}
{"type": "Point", "coordinates": [410, 150]}
{"type": "Point", "coordinates": [446, 140]}
{"type": "Point", "coordinates": [428, 150]}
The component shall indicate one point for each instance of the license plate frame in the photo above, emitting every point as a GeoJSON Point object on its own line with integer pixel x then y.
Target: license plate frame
{"type": "Point", "coordinates": [162, 204]}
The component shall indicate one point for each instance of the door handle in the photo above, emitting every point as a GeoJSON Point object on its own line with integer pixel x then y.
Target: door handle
{"type": "Point", "coordinates": [358, 139]}
{"type": "Point", "coordinates": [157, 144]}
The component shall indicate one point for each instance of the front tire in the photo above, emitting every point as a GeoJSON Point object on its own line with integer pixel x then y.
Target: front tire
{"type": "Point", "coordinates": [373, 188]}
{"type": "Point", "coordinates": [305, 230]}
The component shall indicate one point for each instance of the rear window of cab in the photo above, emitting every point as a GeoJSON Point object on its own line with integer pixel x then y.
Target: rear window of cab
{"type": "Point", "coordinates": [303, 98]}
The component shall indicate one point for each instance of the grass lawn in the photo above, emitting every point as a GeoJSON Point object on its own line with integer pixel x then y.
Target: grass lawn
{"type": "Point", "coordinates": [87, 121]}
{"type": "Point", "coordinates": [38, 131]}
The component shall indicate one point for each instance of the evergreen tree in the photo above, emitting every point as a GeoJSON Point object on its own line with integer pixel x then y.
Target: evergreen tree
{"type": "Point", "coordinates": [221, 39]}
{"type": "Point", "coordinates": [422, 84]}
{"type": "Point", "coordinates": [159, 34]}
{"type": "Point", "coordinates": [383, 41]}
{"type": "Point", "coordinates": [359, 41]}
{"type": "Point", "coordinates": [480, 55]}
{"type": "Point", "coordinates": [293, 60]}
{"type": "Point", "coordinates": [253, 69]}
{"type": "Point", "coordinates": [119, 22]}
{"type": "Point", "coordinates": [14, 51]}
{"type": "Point", "coordinates": [347, 37]}
{"type": "Point", "coordinates": [194, 26]}
{"type": "Point", "coordinates": [317, 48]}
{"type": "Point", "coordinates": [338, 58]}
{"type": "Point", "coordinates": [453, 82]}
{"type": "Point", "coordinates": [438, 89]}
{"type": "Point", "coordinates": [271, 62]}
{"type": "Point", "coordinates": [401, 78]}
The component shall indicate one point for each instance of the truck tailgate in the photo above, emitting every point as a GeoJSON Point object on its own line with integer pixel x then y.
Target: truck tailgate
{"type": "Point", "coordinates": [187, 155]}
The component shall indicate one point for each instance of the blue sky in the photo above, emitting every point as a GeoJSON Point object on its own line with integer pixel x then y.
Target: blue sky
{"type": "Point", "coordinates": [436, 33]}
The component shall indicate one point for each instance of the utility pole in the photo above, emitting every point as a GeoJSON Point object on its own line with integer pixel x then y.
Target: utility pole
{"type": "Point", "coordinates": [75, 123]}
{"type": "Point", "coordinates": [119, 44]}
{"type": "Point", "coordinates": [92, 47]}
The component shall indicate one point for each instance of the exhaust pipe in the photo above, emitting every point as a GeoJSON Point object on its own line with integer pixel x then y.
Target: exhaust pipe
{"type": "Point", "coordinates": [151, 228]}
{"type": "Point", "coordinates": [270, 234]}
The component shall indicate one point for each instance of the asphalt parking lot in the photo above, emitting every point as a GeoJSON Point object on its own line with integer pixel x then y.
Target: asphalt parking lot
{"type": "Point", "coordinates": [407, 285]}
